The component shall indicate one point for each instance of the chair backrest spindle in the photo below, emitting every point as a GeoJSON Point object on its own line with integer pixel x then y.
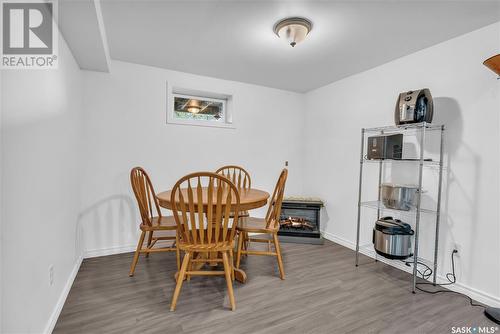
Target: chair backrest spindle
{"type": "Point", "coordinates": [204, 201]}
{"type": "Point", "coordinates": [145, 195]}
{"type": "Point", "coordinates": [237, 175]}
{"type": "Point", "coordinates": [274, 209]}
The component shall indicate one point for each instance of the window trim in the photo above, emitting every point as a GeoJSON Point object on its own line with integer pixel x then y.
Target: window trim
{"type": "Point", "coordinates": [227, 101]}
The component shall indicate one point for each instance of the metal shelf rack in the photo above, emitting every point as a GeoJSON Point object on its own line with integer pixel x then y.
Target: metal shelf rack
{"type": "Point", "coordinates": [411, 129]}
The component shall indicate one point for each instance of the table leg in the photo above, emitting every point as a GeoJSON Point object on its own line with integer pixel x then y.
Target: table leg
{"type": "Point", "coordinates": [196, 265]}
{"type": "Point", "coordinates": [240, 275]}
{"type": "Point", "coordinates": [176, 275]}
{"type": "Point", "coordinates": [212, 256]}
{"type": "Point", "coordinates": [199, 265]}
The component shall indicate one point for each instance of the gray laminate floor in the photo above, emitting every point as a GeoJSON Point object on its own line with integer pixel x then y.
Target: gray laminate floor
{"type": "Point", "coordinates": [323, 293]}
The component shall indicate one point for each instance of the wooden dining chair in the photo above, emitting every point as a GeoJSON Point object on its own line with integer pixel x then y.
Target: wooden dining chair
{"type": "Point", "coordinates": [203, 203]}
{"type": "Point", "coordinates": [242, 180]}
{"type": "Point", "coordinates": [238, 175]}
{"type": "Point", "coordinates": [268, 225]}
{"type": "Point", "coordinates": [152, 219]}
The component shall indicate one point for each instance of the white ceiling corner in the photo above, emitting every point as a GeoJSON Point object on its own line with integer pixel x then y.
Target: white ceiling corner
{"type": "Point", "coordinates": [81, 23]}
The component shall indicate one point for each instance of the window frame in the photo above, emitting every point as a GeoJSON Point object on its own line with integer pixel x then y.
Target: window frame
{"type": "Point", "coordinates": [225, 99]}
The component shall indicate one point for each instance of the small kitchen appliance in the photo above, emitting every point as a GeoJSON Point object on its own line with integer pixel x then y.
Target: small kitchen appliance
{"type": "Point", "coordinates": [414, 106]}
{"type": "Point", "coordinates": [392, 238]}
{"type": "Point", "coordinates": [399, 197]}
{"type": "Point", "coordinates": [385, 147]}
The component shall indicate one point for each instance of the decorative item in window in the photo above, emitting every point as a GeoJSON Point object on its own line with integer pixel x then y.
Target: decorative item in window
{"type": "Point", "coordinates": [199, 108]}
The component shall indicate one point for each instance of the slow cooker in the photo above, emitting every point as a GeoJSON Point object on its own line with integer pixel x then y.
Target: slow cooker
{"type": "Point", "coordinates": [392, 238]}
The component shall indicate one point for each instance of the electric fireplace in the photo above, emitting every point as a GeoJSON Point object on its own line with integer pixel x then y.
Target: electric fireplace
{"type": "Point", "coordinates": [300, 220]}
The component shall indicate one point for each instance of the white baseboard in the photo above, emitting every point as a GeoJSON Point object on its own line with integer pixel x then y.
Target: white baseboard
{"type": "Point", "coordinates": [475, 294]}
{"type": "Point", "coordinates": [62, 298]}
{"type": "Point", "coordinates": [108, 251]}
{"type": "Point", "coordinates": [118, 249]}
{"type": "Point", "coordinates": [69, 283]}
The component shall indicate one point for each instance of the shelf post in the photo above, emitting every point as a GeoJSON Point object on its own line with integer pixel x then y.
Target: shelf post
{"type": "Point", "coordinates": [438, 206]}
{"type": "Point", "coordinates": [380, 169]}
{"type": "Point", "coordinates": [419, 198]}
{"type": "Point", "coordinates": [359, 192]}
{"type": "Point", "coordinates": [379, 185]}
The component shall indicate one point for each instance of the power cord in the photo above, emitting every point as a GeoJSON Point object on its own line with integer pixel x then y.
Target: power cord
{"type": "Point", "coordinates": [451, 277]}
{"type": "Point", "coordinates": [425, 274]}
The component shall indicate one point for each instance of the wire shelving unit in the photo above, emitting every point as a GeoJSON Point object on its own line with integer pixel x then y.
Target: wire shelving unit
{"type": "Point", "coordinates": [420, 130]}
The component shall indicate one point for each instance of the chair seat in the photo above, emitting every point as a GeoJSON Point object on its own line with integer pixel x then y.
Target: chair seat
{"type": "Point", "coordinates": [160, 223]}
{"type": "Point", "coordinates": [212, 247]}
{"type": "Point", "coordinates": [255, 225]}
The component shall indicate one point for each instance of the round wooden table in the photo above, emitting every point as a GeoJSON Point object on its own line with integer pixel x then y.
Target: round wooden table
{"type": "Point", "coordinates": [249, 199]}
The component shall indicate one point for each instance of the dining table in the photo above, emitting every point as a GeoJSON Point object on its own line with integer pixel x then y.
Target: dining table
{"type": "Point", "coordinates": [250, 198]}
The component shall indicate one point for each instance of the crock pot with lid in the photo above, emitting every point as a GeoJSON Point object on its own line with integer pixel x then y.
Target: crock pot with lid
{"type": "Point", "coordinates": [392, 238]}
{"type": "Point", "coordinates": [399, 197]}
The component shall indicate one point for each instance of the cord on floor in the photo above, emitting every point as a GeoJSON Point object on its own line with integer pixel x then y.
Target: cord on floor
{"type": "Point", "coordinates": [451, 277]}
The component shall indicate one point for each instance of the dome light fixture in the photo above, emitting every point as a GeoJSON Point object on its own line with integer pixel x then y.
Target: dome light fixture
{"type": "Point", "coordinates": [293, 29]}
{"type": "Point", "coordinates": [193, 106]}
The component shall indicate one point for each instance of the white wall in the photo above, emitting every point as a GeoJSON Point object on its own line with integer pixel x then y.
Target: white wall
{"type": "Point", "coordinates": [40, 136]}
{"type": "Point", "coordinates": [125, 126]}
{"type": "Point", "coordinates": [467, 101]}
{"type": "Point", "coordinates": [1, 208]}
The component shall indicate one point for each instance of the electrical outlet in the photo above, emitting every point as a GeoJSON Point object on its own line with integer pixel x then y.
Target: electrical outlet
{"type": "Point", "coordinates": [51, 274]}
{"type": "Point", "coordinates": [456, 249]}
{"type": "Point", "coordinates": [286, 163]}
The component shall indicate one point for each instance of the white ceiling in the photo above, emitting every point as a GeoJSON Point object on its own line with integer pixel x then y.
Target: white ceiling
{"type": "Point", "coordinates": [234, 39]}
{"type": "Point", "coordinates": [82, 27]}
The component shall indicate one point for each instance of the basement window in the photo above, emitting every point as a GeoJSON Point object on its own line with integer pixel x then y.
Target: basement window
{"type": "Point", "coordinates": [199, 108]}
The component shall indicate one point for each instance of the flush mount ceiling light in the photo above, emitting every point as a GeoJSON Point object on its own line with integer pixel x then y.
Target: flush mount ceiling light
{"type": "Point", "coordinates": [293, 29]}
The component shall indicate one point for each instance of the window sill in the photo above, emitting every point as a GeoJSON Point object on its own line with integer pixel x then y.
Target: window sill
{"type": "Point", "coordinates": [201, 123]}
